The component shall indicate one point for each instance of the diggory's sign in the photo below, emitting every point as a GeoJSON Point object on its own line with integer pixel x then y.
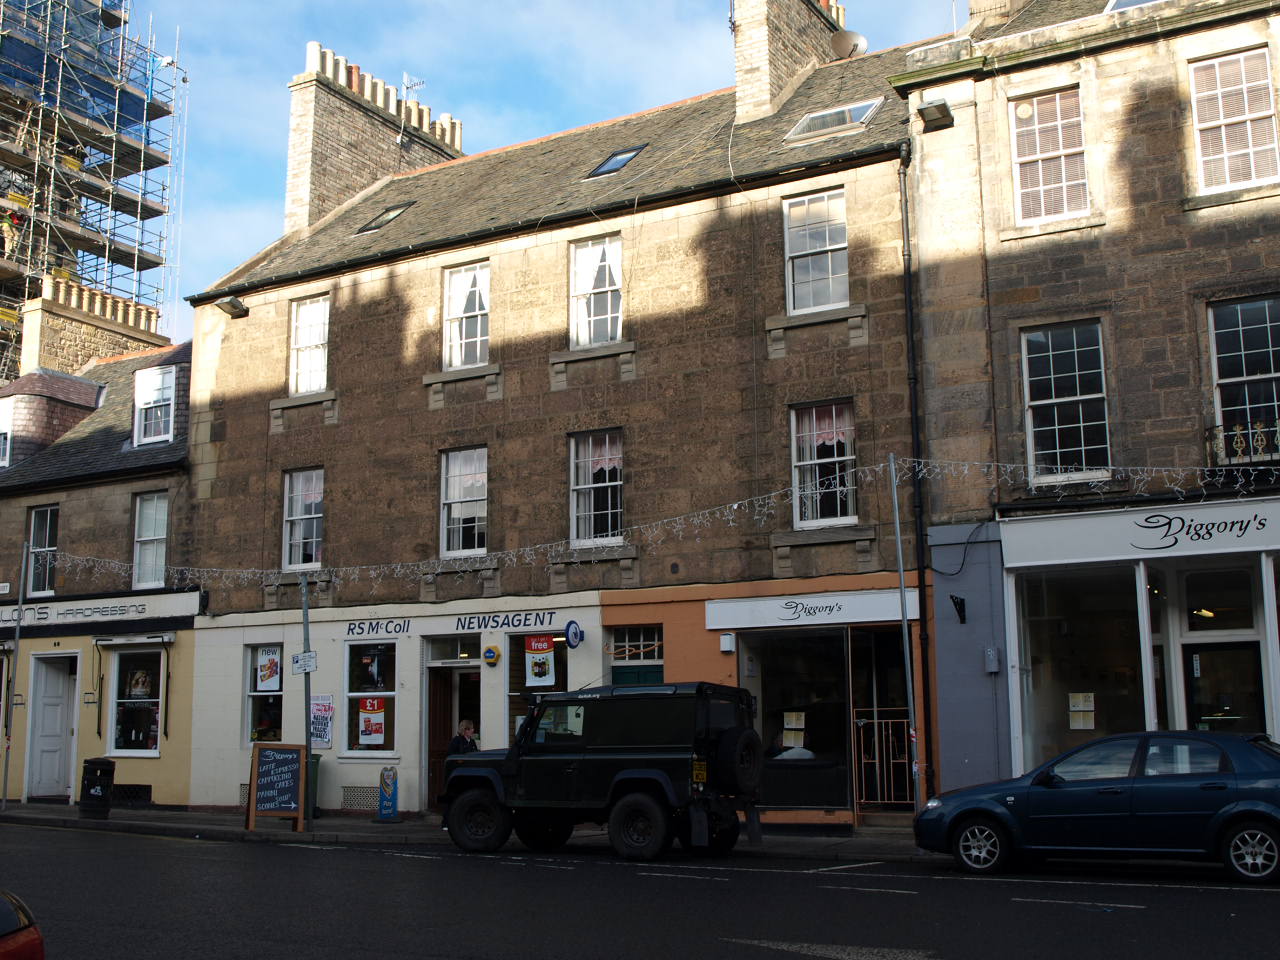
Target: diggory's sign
{"type": "Point", "coordinates": [861, 606]}
{"type": "Point", "coordinates": [1229, 526]}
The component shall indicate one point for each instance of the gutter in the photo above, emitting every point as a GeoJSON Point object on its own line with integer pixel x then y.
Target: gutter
{"type": "Point", "coordinates": [717, 187]}
{"type": "Point", "coordinates": [70, 482]}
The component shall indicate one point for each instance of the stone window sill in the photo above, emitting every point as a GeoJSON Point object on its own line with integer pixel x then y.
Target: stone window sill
{"type": "Point", "coordinates": [490, 373]}
{"type": "Point", "coordinates": [1053, 226]}
{"type": "Point", "coordinates": [1243, 195]}
{"type": "Point", "coordinates": [624, 554]}
{"type": "Point", "coordinates": [624, 350]}
{"type": "Point", "coordinates": [776, 327]}
{"type": "Point", "coordinates": [328, 399]}
{"type": "Point", "coordinates": [862, 536]}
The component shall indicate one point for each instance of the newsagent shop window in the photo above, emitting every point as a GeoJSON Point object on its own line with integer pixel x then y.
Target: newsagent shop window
{"type": "Point", "coordinates": [266, 701]}
{"type": "Point", "coordinates": [371, 696]}
{"type": "Point", "coordinates": [138, 687]}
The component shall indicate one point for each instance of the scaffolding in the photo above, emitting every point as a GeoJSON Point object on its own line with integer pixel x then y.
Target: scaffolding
{"type": "Point", "coordinates": [91, 123]}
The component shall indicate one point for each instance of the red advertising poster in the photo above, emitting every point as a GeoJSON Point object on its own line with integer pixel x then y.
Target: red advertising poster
{"type": "Point", "coordinates": [373, 721]}
{"type": "Point", "coordinates": [539, 662]}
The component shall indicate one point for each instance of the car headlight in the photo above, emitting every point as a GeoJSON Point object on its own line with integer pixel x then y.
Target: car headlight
{"type": "Point", "coordinates": [933, 804]}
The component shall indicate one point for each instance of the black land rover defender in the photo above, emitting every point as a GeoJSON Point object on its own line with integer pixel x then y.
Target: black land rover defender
{"type": "Point", "coordinates": [653, 762]}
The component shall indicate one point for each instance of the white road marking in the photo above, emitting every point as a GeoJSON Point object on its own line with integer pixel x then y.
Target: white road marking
{"type": "Point", "coordinates": [911, 893]}
{"type": "Point", "coordinates": [414, 856]}
{"type": "Point", "coordinates": [1081, 903]}
{"type": "Point", "coordinates": [848, 866]}
{"type": "Point", "coordinates": [1080, 883]}
{"type": "Point", "coordinates": [684, 876]}
{"type": "Point", "coordinates": [839, 951]}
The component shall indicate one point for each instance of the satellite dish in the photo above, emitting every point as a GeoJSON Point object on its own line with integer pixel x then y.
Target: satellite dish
{"type": "Point", "coordinates": [848, 43]}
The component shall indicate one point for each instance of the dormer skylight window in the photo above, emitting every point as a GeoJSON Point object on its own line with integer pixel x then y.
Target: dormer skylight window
{"type": "Point", "coordinates": [385, 217]}
{"type": "Point", "coordinates": [616, 161]}
{"type": "Point", "coordinates": [825, 123]}
{"type": "Point", "coordinates": [1127, 4]}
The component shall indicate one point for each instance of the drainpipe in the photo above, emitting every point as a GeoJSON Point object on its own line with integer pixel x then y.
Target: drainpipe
{"type": "Point", "coordinates": [917, 454]}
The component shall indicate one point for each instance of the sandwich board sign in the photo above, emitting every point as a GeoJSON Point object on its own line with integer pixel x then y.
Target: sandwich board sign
{"type": "Point", "coordinates": [277, 783]}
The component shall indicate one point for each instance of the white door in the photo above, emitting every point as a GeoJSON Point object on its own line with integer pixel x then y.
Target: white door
{"type": "Point", "coordinates": [51, 716]}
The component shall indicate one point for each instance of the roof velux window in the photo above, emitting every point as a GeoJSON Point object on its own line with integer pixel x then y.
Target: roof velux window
{"type": "Point", "coordinates": [385, 217]}
{"type": "Point", "coordinates": [825, 122]}
{"type": "Point", "coordinates": [1126, 4]}
{"type": "Point", "coordinates": [616, 161]}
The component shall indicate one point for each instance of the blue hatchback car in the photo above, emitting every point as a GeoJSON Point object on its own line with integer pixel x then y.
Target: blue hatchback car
{"type": "Point", "coordinates": [1184, 794]}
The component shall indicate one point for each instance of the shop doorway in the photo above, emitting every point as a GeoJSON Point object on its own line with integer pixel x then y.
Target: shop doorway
{"type": "Point", "coordinates": [52, 714]}
{"type": "Point", "coordinates": [1223, 684]}
{"type": "Point", "coordinates": [453, 695]}
{"type": "Point", "coordinates": [881, 721]}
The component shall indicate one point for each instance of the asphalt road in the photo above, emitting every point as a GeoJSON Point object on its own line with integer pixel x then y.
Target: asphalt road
{"type": "Point", "coordinates": [103, 896]}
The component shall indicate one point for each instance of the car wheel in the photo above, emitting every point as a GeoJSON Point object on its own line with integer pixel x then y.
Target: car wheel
{"type": "Point", "coordinates": [639, 827]}
{"type": "Point", "coordinates": [478, 822]}
{"type": "Point", "coordinates": [724, 837]}
{"type": "Point", "coordinates": [739, 760]}
{"type": "Point", "coordinates": [1251, 851]}
{"type": "Point", "coordinates": [981, 846]}
{"type": "Point", "coordinates": [543, 833]}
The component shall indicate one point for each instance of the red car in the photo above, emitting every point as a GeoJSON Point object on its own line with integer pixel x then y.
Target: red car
{"type": "Point", "coordinates": [20, 938]}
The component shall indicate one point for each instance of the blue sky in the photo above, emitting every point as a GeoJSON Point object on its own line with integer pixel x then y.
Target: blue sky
{"type": "Point", "coordinates": [510, 71]}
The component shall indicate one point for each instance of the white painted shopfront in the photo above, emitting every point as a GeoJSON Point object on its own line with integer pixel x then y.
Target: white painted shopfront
{"type": "Point", "coordinates": [1159, 617]}
{"type": "Point", "coordinates": [393, 682]}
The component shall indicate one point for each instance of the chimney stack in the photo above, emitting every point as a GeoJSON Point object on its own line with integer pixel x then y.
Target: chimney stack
{"type": "Point", "coordinates": [776, 45]}
{"type": "Point", "coordinates": [347, 130]}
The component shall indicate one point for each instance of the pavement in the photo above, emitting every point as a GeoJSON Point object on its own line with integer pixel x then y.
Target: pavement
{"type": "Point", "coordinates": [879, 843]}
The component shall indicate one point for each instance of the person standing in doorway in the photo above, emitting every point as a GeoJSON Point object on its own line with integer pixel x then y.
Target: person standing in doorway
{"type": "Point", "coordinates": [465, 740]}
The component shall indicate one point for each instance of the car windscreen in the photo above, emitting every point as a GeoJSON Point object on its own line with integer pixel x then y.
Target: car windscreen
{"type": "Point", "coordinates": [12, 916]}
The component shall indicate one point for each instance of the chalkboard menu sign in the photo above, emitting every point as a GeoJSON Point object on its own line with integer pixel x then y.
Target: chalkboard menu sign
{"type": "Point", "coordinates": [277, 786]}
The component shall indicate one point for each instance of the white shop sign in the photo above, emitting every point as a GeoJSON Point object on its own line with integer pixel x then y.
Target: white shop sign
{"type": "Point", "coordinates": [1163, 530]}
{"type": "Point", "coordinates": [143, 606]}
{"type": "Point", "coordinates": [857, 606]}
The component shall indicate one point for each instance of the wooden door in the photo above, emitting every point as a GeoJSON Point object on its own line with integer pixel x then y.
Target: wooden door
{"type": "Point", "coordinates": [439, 729]}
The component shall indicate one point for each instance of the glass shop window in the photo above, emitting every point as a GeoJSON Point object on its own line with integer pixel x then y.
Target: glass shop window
{"type": "Point", "coordinates": [138, 692]}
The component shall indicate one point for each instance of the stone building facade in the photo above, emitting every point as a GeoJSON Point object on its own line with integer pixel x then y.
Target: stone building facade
{"type": "Point", "coordinates": [95, 630]}
{"type": "Point", "coordinates": [1096, 303]}
{"type": "Point", "coordinates": [600, 376]}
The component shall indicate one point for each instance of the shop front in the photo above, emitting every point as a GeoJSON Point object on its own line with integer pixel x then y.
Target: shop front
{"type": "Point", "coordinates": [100, 677]}
{"type": "Point", "coordinates": [827, 668]}
{"type": "Point", "coordinates": [391, 686]}
{"type": "Point", "coordinates": [1156, 618]}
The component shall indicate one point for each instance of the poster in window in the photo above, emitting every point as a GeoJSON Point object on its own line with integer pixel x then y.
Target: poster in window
{"type": "Point", "coordinates": [373, 724]}
{"type": "Point", "coordinates": [322, 722]}
{"type": "Point", "coordinates": [268, 667]}
{"type": "Point", "coordinates": [539, 662]}
{"type": "Point", "coordinates": [140, 685]}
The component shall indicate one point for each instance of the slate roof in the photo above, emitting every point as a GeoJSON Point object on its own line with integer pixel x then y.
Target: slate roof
{"type": "Point", "coordinates": [693, 146]}
{"type": "Point", "coordinates": [55, 385]}
{"type": "Point", "coordinates": [101, 445]}
{"type": "Point", "coordinates": [1046, 13]}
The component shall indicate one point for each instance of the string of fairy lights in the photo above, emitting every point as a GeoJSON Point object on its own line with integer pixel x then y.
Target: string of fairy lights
{"type": "Point", "coordinates": [759, 512]}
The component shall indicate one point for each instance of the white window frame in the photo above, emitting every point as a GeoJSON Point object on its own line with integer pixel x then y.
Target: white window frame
{"type": "Point", "coordinates": [644, 650]}
{"type": "Point", "coordinates": [799, 255]}
{"type": "Point", "coordinates": [1041, 476]}
{"type": "Point", "coordinates": [1039, 158]}
{"type": "Point", "coordinates": [605, 447]}
{"type": "Point", "coordinates": [1257, 120]}
{"type": "Point", "coordinates": [119, 652]}
{"type": "Point", "coordinates": [150, 534]}
{"type": "Point", "coordinates": [586, 257]}
{"type": "Point", "coordinates": [153, 392]}
{"type": "Point", "coordinates": [258, 688]}
{"type": "Point", "coordinates": [6, 430]}
{"type": "Point", "coordinates": [464, 484]}
{"type": "Point", "coordinates": [856, 117]}
{"type": "Point", "coordinates": [352, 698]}
{"type": "Point", "coordinates": [1261, 445]}
{"type": "Point", "coordinates": [458, 287]}
{"type": "Point", "coordinates": [297, 521]}
{"type": "Point", "coordinates": [1117, 5]}
{"type": "Point", "coordinates": [43, 552]}
{"type": "Point", "coordinates": [309, 345]}
{"type": "Point", "coordinates": [804, 423]}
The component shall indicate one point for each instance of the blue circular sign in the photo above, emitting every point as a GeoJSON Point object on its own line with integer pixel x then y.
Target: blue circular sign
{"type": "Point", "coordinates": [573, 634]}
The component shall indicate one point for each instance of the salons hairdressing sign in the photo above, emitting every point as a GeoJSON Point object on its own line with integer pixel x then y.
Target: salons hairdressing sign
{"type": "Point", "coordinates": [1166, 530]}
